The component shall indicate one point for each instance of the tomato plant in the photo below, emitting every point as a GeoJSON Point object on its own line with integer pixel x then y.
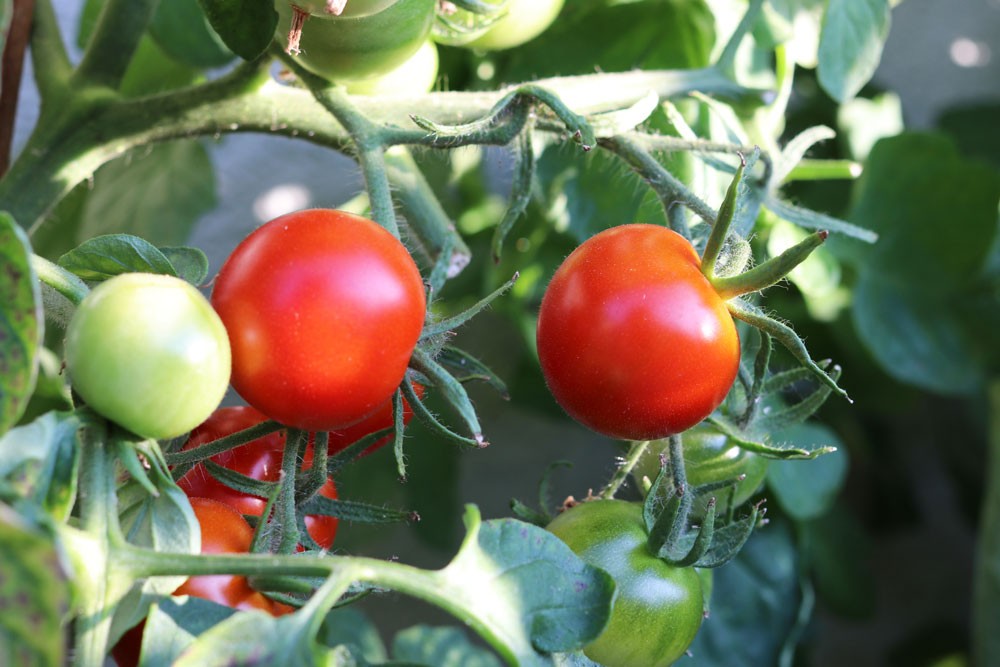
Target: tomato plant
{"type": "Point", "coordinates": [379, 420]}
{"type": "Point", "coordinates": [633, 340]}
{"type": "Point", "coordinates": [259, 459]}
{"type": "Point", "coordinates": [415, 75]}
{"type": "Point", "coordinates": [324, 309]}
{"type": "Point", "coordinates": [149, 353]}
{"type": "Point", "coordinates": [657, 608]}
{"type": "Point", "coordinates": [351, 47]}
{"type": "Point", "coordinates": [710, 458]}
{"type": "Point", "coordinates": [523, 21]}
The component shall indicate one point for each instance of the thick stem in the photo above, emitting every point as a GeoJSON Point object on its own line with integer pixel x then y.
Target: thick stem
{"type": "Point", "coordinates": [48, 53]}
{"type": "Point", "coordinates": [120, 26]}
{"type": "Point", "coordinates": [986, 575]}
{"type": "Point", "coordinates": [59, 279]}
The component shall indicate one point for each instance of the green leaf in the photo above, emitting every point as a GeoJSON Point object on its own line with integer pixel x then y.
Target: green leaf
{"type": "Point", "coordinates": [808, 489]}
{"type": "Point", "coordinates": [109, 255]}
{"type": "Point", "coordinates": [850, 45]}
{"type": "Point", "coordinates": [40, 461]}
{"type": "Point", "coordinates": [181, 29]}
{"type": "Point", "coordinates": [760, 587]}
{"type": "Point", "coordinates": [191, 264]}
{"type": "Point", "coordinates": [245, 26]}
{"type": "Point", "coordinates": [253, 638]}
{"type": "Point", "coordinates": [157, 195]}
{"type": "Point", "coordinates": [921, 291]}
{"type": "Point", "coordinates": [554, 602]}
{"type": "Point", "coordinates": [34, 595]}
{"type": "Point", "coordinates": [349, 627]}
{"type": "Point", "coordinates": [152, 71]}
{"type": "Point", "coordinates": [173, 624]}
{"type": "Point", "coordinates": [440, 647]}
{"type": "Point", "coordinates": [21, 323]}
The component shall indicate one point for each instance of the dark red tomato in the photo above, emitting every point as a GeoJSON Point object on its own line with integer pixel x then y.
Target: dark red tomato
{"type": "Point", "coordinates": [323, 310]}
{"type": "Point", "coordinates": [259, 459]}
{"type": "Point", "coordinates": [381, 419]}
{"type": "Point", "coordinates": [634, 342]}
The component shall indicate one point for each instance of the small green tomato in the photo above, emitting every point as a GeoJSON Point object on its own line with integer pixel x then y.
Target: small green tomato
{"type": "Point", "coordinates": [149, 353]}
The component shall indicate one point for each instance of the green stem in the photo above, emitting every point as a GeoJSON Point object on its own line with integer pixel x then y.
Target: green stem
{"type": "Point", "coordinates": [770, 272]}
{"type": "Point", "coordinates": [59, 279]}
{"type": "Point", "coordinates": [50, 61]}
{"type": "Point", "coordinates": [986, 573]}
{"type": "Point", "coordinates": [635, 451]}
{"type": "Point", "coordinates": [120, 26]}
{"type": "Point", "coordinates": [824, 170]}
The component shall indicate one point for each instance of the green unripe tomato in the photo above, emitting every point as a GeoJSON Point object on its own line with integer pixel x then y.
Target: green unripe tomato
{"type": "Point", "coordinates": [657, 608]}
{"type": "Point", "coordinates": [349, 48]}
{"type": "Point", "coordinates": [525, 20]}
{"type": "Point", "coordinates": [352, 8]}
{"type": "Point", "coordinates": [149, 353]}
{"type": "Point", "coordinates": [709, 457]}
{"type": "Point", "coordinates": [416, 75]}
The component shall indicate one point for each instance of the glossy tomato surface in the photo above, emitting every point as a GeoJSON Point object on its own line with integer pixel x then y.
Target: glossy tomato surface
{"type": "Point", "coordinates": [323, 309]}
{"type": "Point", "coordinates": [657, 608]}
{"type": "Point", "coordinates": [259, 459]}
{"type": "Point", "coordinates": [524, 20]}
{"type": "Point", "coordinates": [148, 352]}
{"type": "Point", "coordinates": [633, 340]}
{"type": "Point", "coordinates": [710, 457]}
{"type": "Point", "coordinates": [379, 420]}
{"type": "Point", "coordinates": [413, 76]}
{"type": "Point", "coordinates": [225, 531]}
{"type": "Point", "coordinates": [358, 47]}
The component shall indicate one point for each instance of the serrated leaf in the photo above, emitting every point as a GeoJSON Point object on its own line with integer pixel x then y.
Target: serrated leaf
{"type": "Point", "coordinates": [181, 29]}
{"type": "Point", "coordinates": [245, 26]}
{"type": "Point", "coordinates": [190, 264]}
{"type": "Point", "coordinates": [34, 594]}
{"type": "Point", "coordinates": [807, 489]}
{"type": "Point", "coordinates": [40, 461]}
{"type": "Point", "coordinates": [157, 195]}
{"type": "Point", "coordinates": [850, 45]}
{"type": "Point", "coordinates": [21, 322]}
{"type": "Point", "coordinates": [103, 257]}
{"type": "Point", "coordinates": [440, 647]}
{"type": "Point", "coordinates": [554, 602]}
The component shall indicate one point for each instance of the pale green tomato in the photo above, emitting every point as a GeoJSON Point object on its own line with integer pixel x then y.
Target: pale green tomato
{"type": "Point", "coordinates": [149, 353]}
{"type": "Point", "coordinates": [416, 75]}
{"type": "Point", "coordinates": [525, 20]}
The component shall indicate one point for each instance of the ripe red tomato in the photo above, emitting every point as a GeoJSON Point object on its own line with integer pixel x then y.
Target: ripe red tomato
{"type": "Point", "coordinates": [634, 342]}
{"type": "Point", "coordinates": [323, 310]}
{"type": "Point", "coordinates": [259, 459]}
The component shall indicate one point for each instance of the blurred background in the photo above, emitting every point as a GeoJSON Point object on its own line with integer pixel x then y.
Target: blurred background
{"type": "Point", "coordinates": [889, 581]}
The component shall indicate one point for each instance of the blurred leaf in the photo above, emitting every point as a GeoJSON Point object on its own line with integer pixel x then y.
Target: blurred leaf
{"type": "Point", "coordinates": [191, 264]}
{"type": "Point", "coordinates": [34, 595]}
{"type": "Point", "coordinates": [51, 389]}
{"type": "Point", "coordinates": [250, 638]}
{"type": "Point", "coordinates": [349, 627]}
{"type": "Point", "coordinates": [850, 45]}
{"type": "Point", "coordinates": [173, 623]}
{"type": "Point", "coordinates": [936, 216]}
{"type": "Point", "coordinates": [808, 489]}
{"type": "Point", "coordinates": [40, 462]}
{"type": "Point", "coordinates": [157, 195]}
{"type": "Point", "coordinates": [656, 34]}
{"type": "Point", "coordinates": [839, 552]}
{"type": "Point", "coordinates": [974, 129]}
{"type": "Point", "coordinates": [245, 26]}
{"type": "Point", "coordinates": [21, 323]}
{"type": "Point", "coordinates": [440, 647]}
{"type": "Point", "coordinates": [864, 121]}
{"type": "Point", "coordinates": [109, 255]}
{"type": "Point", "coordinates": [152, 71]}
{"type": "Point", "coordinates": [760, 588]}
{"type": "Point", "coordinates": [181, 29]}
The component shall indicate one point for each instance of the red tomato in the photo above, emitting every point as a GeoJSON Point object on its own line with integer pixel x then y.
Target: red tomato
{"type": "Point", "coordinates": [633, 340]}
{"type": "Point", "coordinates": [259, 459]}
{"type": "Point", "coordinates": [323, 310]}
{"type": "Point", "coordinates": [381, 419]}
{"type": "Point", "coordinates": [223, 530]}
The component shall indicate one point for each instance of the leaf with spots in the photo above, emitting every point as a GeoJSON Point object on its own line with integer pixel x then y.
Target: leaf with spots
{"type": "Point", "coordinates": [21, 322]}
{"type": "Point", "coordinates": [34, 594]}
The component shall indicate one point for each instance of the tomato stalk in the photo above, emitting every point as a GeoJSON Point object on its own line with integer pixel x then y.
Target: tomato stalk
{"type": "Point", "coordinates": [635, 451]}
{"type": "Point", "coordinates": [185, 460]}
{"type": "Point", "coordinates": [59, 279]}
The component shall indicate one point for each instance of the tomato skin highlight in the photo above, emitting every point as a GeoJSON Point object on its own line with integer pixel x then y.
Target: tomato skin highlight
{"type": "Point", "coordinates": [657, 609]}
{"type": "Point", "coordinates": [323, 309]}
{"type": "Point", "coordinates": [148, 352]}
{"type": "Point", "coordinates": [633, 340]}
{"type": "Point", "coordinates": [524, 20]}
{"type": "Point", "coordinates": [259, 459]}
